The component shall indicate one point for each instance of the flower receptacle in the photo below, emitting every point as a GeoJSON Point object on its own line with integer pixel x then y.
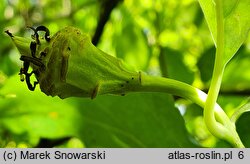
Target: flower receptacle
{"type": "Point", "coordinates": [74, 67]}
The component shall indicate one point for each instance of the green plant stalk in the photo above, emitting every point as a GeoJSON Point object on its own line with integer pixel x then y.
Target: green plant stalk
{"type": "Point", "coordinates": [227, 131]}
{"type": "Point", "coordinates": [242, 109]}
{"type": "Point", "coordinates": [74, 67]}
{"type": "Point", "coordinates": [166, 85]}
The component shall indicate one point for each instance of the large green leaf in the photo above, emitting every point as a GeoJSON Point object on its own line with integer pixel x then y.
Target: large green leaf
{"type": "Point", "coordinates": [236, 23]}
{"type": "Point", "coordinates": [236, 76]}
{"type": "Point", "coordinates": [136, 120]}
{"type": "Point", "coordinates": [130, 43]}
{"type": "Point", "coordinates": [243, 128]}
{"type": "Point", "coordinates": [206, 64]}
{"type": "Point", "coordinates": [241, 110]}
{"type": "Point", "coordinates": [175, 66]}
{"type": "Point", "coordinates": [34, 113]}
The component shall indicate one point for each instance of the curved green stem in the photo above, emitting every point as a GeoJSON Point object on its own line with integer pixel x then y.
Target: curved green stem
{"type": "Point", "coordinates": [160, 84]}
{"type": "Point", "coordinates": [240, 111]}
{"type": "Point", "coordinates": [224, 127]}
{"type": "Point", "coordinates": [209, 117]}
{"type": "Point", "coordinates": [227, 131]}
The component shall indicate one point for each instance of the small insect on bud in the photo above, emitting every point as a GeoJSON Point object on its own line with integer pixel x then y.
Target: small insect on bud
{"type": "Point", "coordinates": [69, 65]}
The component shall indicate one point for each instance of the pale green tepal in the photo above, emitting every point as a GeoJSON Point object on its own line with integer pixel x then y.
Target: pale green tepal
{"type": "Point", "coordinates": [74, 67]}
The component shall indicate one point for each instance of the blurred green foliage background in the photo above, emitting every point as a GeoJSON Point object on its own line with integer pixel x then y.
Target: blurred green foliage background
{"type": "Point", "coordinates": [164, 38]}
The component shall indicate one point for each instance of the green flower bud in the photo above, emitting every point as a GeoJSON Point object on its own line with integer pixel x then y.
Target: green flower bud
{"type": "Point", "coordinates": [69, 65]}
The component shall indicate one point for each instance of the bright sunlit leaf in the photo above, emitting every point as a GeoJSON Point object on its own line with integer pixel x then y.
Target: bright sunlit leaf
{"type": "Point", "coordinates": [236, 23]}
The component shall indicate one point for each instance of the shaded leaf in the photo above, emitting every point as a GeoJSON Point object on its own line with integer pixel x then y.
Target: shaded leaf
{"type": "Point", "coordinates": [206, 64]}
{"type": "Point", "coordinates": [130, 43]}
{"type": "Point", "coordinates": [175, 66]}
{"type": "Point", "coordinates": [242, 109]}
{"type": "Point", "coordinates": [243, 128]}
{"type": "Point", "coordinates": [136, 120]}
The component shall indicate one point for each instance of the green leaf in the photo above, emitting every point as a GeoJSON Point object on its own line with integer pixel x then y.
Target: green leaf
{"type": "Point", "coordinates": [236, 23]}
{"type": "Point", "coordinates": [34, 113]}
{"type": "Point", "coordinates": [236, 75]}
{"type": "Point", "coordinates": [206, 64]}
{"type": "Point", "coordinates": [175, 66]}
{"type": "Point", "coordinates": [136, 120]}
{"type": "Point", "coordinates": [5, 63]}
{"type": "Point", "coordinates": [243, 128]}
{"type": "Point", "coordinates": [130, 42]}
{"type": "Point", "coordinates": [242, 109]}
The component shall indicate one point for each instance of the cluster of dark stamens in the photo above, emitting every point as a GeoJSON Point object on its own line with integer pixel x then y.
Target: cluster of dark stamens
{"type": "Point", "coordinates": [33, 59]}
